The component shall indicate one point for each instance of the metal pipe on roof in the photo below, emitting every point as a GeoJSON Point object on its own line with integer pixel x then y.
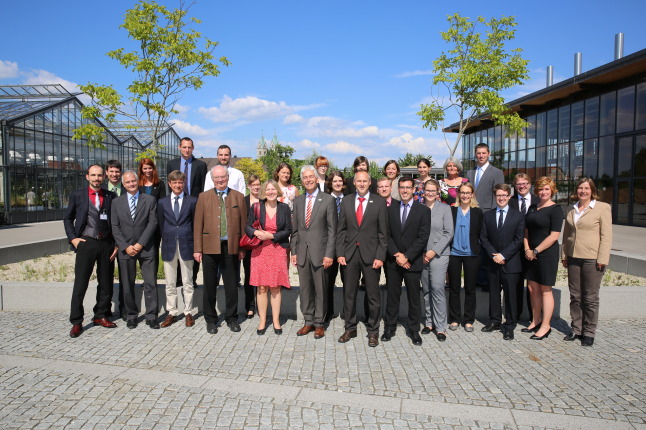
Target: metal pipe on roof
{"type": "Point", "coordinates": [578, 61]}
{"type": "Point", "coordinates": [619, 46]}
{"type": "Point", "coordinates": [550, 76]}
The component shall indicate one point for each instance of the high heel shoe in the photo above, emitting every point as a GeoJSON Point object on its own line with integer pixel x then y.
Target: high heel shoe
{"type": "Point", "coordinates": [260, 332]}
{"type": "Point", "coordinates": [278, 330]}
{"type": "Point", "coordinates": [531, 330]}
{"type": "Point", "coordinates": [534, 337]}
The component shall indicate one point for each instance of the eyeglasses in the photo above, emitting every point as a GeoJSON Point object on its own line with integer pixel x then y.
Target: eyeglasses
{"type": "Point", "coordinates": [522, 184]}
{"type": "Point", "coordinates": [220, 177]}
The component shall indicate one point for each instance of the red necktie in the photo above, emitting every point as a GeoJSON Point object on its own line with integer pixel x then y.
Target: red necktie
{"type": "Point", "coordinates": [360, 210]}
{"type": "Point", "coordinates": [308, 212]}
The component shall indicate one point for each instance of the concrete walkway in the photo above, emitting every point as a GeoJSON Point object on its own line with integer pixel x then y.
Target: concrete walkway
{"type": "Point", "coordinates": [182, 377]}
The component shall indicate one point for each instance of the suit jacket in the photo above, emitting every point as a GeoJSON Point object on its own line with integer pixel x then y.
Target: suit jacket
{"type": "Point", "coordinates": [283, 223]}
{"type": "Point", "coordinates": [320, 237]}
{"type": "Point", "coordinates": [157, 192]}
{"type": "Point", "coordinates": [176, 230]}
{"type": "Point", "coordinates": [411, 238]}
{"type": "Point", "coordinates": [475, 226]}
{"type": "Point", "coordinates": [439, 241]}
{"type": "Point", "coordinates": [120, 186]}
{"type": "Point", "coordinates": [514, 203]}
{"type": "Point", "coordinates": [142, 229]}
{"type": "Point", "coordinates": [484, 191]}
{"type": "Point", "coordinates": [75, 219]}
{"type": "Point", "coordinates": [507, 241]}
{"type": "Point", "coordinates": [591, 237]}
{"type": "Point", "coordinates": [206, 227]}
{"type": "Point", "coordinates": [370, 239]}
{"type": "Point", "coordinates": [198, 173]}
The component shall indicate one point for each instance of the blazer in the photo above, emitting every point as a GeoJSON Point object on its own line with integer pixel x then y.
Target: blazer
{"type": "Point", "coordinates": [75, 219]}
{"type": "Point", "coordinates": [142, 229]}
{"type": "Point", "coordinates": [370, 239]}
{"type": "Point", "coordinates": [157, 192]}
{"type": "Point", "coordinates": [411, 238]}
{"type": "Point", "coordinates": [439, 241]}
{"type": "Point", "coordinates": [508, 241]}
{"type": "Point", "coordinates": [283, 223]}
{"type": "Point", "coordinates": [514, 203]}
{"type": "Point", "coordinates": [175, 231]}
{"type": "Point", "coordinates": [206, 226]}
{"type": "Point", "coordinates": [198, 173]}
{"type": "Point", "coordinates": [474, 227]}
{"type": "Point", "coordinates": [484, 191]}
{"type": "Point", "coordinates": [319, 239]}
{"type": "Point", "coordinates": [591, 237]}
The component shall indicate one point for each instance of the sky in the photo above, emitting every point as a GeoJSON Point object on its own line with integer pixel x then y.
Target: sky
{"type": "Point", "coordinates": [342, 78]}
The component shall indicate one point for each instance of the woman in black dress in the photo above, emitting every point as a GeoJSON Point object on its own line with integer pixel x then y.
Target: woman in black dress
{"type": "Point", "coordinates": [543, 227]}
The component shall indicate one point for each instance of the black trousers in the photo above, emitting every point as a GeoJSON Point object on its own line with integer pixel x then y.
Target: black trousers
{"type": "Point", "coordinates": [87, 254]}
{"type": "Point", "coordinates": [413, 291]}
{"type": "Point", "coordinates": [226, 264]}
{"type": "Point", "coordinates": [470, 265]}
{"type": "Point", "coordinates": [500, 281]}
{"type": "Point", "coordinates": [249, 290]}
{"type": "Point", "coordinates": [520, 295]}
{"type": "Point", "coordinates": [354, 268]}
{"type": "Point", "coordinates": [332, 271]}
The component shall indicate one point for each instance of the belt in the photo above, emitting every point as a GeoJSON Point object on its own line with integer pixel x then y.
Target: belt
{"type": "Point", "coordinates": [99, 237]}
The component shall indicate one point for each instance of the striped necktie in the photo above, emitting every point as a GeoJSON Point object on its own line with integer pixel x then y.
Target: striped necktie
{"type": "Point", "coordinates": [133, 206]}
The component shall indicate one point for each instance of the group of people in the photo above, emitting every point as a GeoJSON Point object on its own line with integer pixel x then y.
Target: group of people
{"type": "Point", "coordinates": [423, 233]}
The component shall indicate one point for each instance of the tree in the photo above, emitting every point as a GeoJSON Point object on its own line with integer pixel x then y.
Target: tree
{"type": "Point", "coordinates": [474, 72]}
{"type": "Point", "coordinates": [171, 58]}
{"type": "Point", "coordinates": [276, 155]}
{"type": "Point", "coordinates": [412, 159]}
{"type": "Point", "coordinates": [249, 166]}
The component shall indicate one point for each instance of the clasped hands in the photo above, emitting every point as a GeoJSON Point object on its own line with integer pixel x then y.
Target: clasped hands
{"type": "Point", "coordinates": [498, 258]}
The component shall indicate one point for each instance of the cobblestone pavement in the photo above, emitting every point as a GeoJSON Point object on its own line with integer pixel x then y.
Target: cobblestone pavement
{"type": "Point", "coordinates": [185, 378]}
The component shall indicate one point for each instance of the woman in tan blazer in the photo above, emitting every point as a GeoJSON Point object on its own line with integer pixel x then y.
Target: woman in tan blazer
{"type": "Point", "coordinates": [587, 239]}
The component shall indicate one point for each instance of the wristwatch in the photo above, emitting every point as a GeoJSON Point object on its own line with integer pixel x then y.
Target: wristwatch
{"type": "Point", "coordinates": [535, 251]}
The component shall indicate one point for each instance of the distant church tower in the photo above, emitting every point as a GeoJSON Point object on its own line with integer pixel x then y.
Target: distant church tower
{"type": "Point", "coordinates": [262, 146]}
{"type": "Point", "coordinates": [274, 140]}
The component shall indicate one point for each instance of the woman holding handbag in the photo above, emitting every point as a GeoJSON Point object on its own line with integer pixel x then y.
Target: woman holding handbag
{"type": "Point", "coordinates": [269, 270]}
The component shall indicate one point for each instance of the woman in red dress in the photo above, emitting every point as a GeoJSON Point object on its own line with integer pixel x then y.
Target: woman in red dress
{"type": "Point", "coordinates": [269, 271]}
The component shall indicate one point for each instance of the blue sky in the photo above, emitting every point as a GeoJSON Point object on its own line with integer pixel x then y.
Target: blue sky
{"type": "Point", "coordinates": [344, 78]}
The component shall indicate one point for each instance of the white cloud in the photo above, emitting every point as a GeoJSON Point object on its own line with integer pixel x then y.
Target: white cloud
{"type": "Point", "coordinates": [293, 119]}
{"type": "Point", "coordinates": [249, 109]}
{"type": "Point", "coordinates": [414, 73]}
{"type": "Point", "coordinates": [181, 109]}
{"type": "Point", "coordinates": [307, 144]}
{"type": "Point", "coordinates": [188, 129]}
{"type": "Point", "coordinates": [341, 147]}
{"type": "Point", "coordinates": [330, 127]}
{"type": "Point", "coordinates": [8, 69]}
{"type": "Point", "coordinates": [42, 77]}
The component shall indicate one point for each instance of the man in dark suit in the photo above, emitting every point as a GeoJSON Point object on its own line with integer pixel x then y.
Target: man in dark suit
{"type": "Point", "coordinates": [113, 174]}
{"type": "Point", "coordinates": [134, 224]}
{"type": "Point", "coordinates": [87, 226]}
{"type": "Point", "coordinates": [362, 240]}
{"type": "Point", "coordinates": [522, 201]}
{"type": "Point", "coordinates": [195, 171]}
{"type": "Point", "coordinates": [175, 214]}
{"type": "Point", "coordinates": [409, 228]}
{"type": "Point", "coordinates": [313, 246]}
{"type": "Point", "coordinates": [502, 236]}
{"type": "Point", "coordinates": [220, 219]}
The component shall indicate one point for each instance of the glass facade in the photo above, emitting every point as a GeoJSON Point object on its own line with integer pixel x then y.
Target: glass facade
{"type": "Point", "coordinates": [42, 164]}
{"type": "Point", "coordinates": [602, 136]}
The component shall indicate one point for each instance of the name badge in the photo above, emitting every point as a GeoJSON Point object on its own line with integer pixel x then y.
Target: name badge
{"type": "Point", "coordinates": [103, 216]}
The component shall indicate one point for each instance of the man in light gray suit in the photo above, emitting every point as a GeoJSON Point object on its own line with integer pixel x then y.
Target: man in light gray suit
{"type": "Point", "coordinates": [484, 177]}
{"type": "Point", "coordinates": [313, 246]}
{"type": "Point", "coordinates": [134, 223]}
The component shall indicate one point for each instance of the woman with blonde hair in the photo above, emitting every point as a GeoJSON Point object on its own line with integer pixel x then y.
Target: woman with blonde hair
{"type": "Point", "coordinates": [451, 182]}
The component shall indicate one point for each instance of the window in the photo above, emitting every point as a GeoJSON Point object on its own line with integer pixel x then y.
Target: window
{"type": "Point", "coordinates": [625, 109]}
{"type": "Point", "coordinates": [592, 117]}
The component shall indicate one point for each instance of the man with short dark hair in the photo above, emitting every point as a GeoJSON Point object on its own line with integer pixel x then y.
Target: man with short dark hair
{"type": "Point", "coordinates": [88, 229]}
{"type": "Point", "coordinates": [502, 236]}
{"type": "Point", "coordinates": [236, 178]}
{"type": "Point", "coordinates": [194, 169]}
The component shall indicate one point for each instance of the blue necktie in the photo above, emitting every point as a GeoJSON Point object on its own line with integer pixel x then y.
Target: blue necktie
{"type": "Point", "coordinates": [176, 208]}
{"type": "Point", "coordinates": [478, 176]}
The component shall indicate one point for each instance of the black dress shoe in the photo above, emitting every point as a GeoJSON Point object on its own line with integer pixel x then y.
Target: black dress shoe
{"type": "Point", "coordinates": [152, 324]}
{"type": "Point", "coordinates": [426, 330]}
{"type": "Point", "coordinates": [260, 332]}
{"type": "Point", "coordinates": [234, 326]}
{"type": "Point", "coordinates": [278, 330]}
{"type": "Point", "coordinates": [587, 341]}
{"type": "Point", "coordinates": [534, 337]}
{"type": "Point", "coordinates": [509, 335]}
{"type": "Point", "coordinates": [491, 327]}
{"type": "Point", "coordinates": [388, 334]}
{"type": "Point", "coordinates": [132, 324]}
{"type": "Point", "coordinates": [416, 338]}
{"type": "Point", "coordinates": [211, 329]}
{"type": "Point", "coordinates": [249, 316]}
{"type": "Point", "coordinates": [571, 337]}
{"type": "Point", "coordinates": [124, 317]}
{"type": "Point", "coordinates": [441, 337]}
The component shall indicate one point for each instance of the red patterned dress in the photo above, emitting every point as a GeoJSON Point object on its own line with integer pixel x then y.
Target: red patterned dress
{"type": "Point", "coordinates": [269, 261]}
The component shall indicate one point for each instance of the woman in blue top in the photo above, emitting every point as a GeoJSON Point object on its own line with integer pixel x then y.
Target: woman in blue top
{"type": "Point", "coordinates": [467, 221]}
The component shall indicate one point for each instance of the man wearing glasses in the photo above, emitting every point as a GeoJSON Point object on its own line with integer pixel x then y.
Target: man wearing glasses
{"type": "Point", "coordinates": [501, 236]}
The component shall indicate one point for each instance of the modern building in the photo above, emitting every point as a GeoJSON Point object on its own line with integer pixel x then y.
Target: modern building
{"type": "Point", "coordinates": [41, 163]}
{"type": "Point", "coordinates": [593, 124]}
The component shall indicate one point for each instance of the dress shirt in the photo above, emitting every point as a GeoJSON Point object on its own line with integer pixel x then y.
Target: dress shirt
{"type": "Point", "coordinates": [91, 195]}
{"type": "Point", "coordinates": [179, 201]}
{"type": "Point", "coordinates": [365, 202]}
{"type": "Point", "coordinates": [307, 196]}
{"type": "Point", "coordinates": [401, 210]}
{"type": "Point", "coordinates": [528, 201]}
{"type": "Point", "coordinates": [578, 214]}
{"type": "Point", "coordinates": [236, 180]}
{"type": "Point", "coordinates": [504, 218]}
{"type": "Point", "coordinates": [116, 190]}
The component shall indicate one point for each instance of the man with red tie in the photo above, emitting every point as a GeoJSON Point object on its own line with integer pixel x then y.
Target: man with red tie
{"type": "Point", "coordinates": [88, 228]}
{"type": "Point", "coordinates": [362, 240]}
